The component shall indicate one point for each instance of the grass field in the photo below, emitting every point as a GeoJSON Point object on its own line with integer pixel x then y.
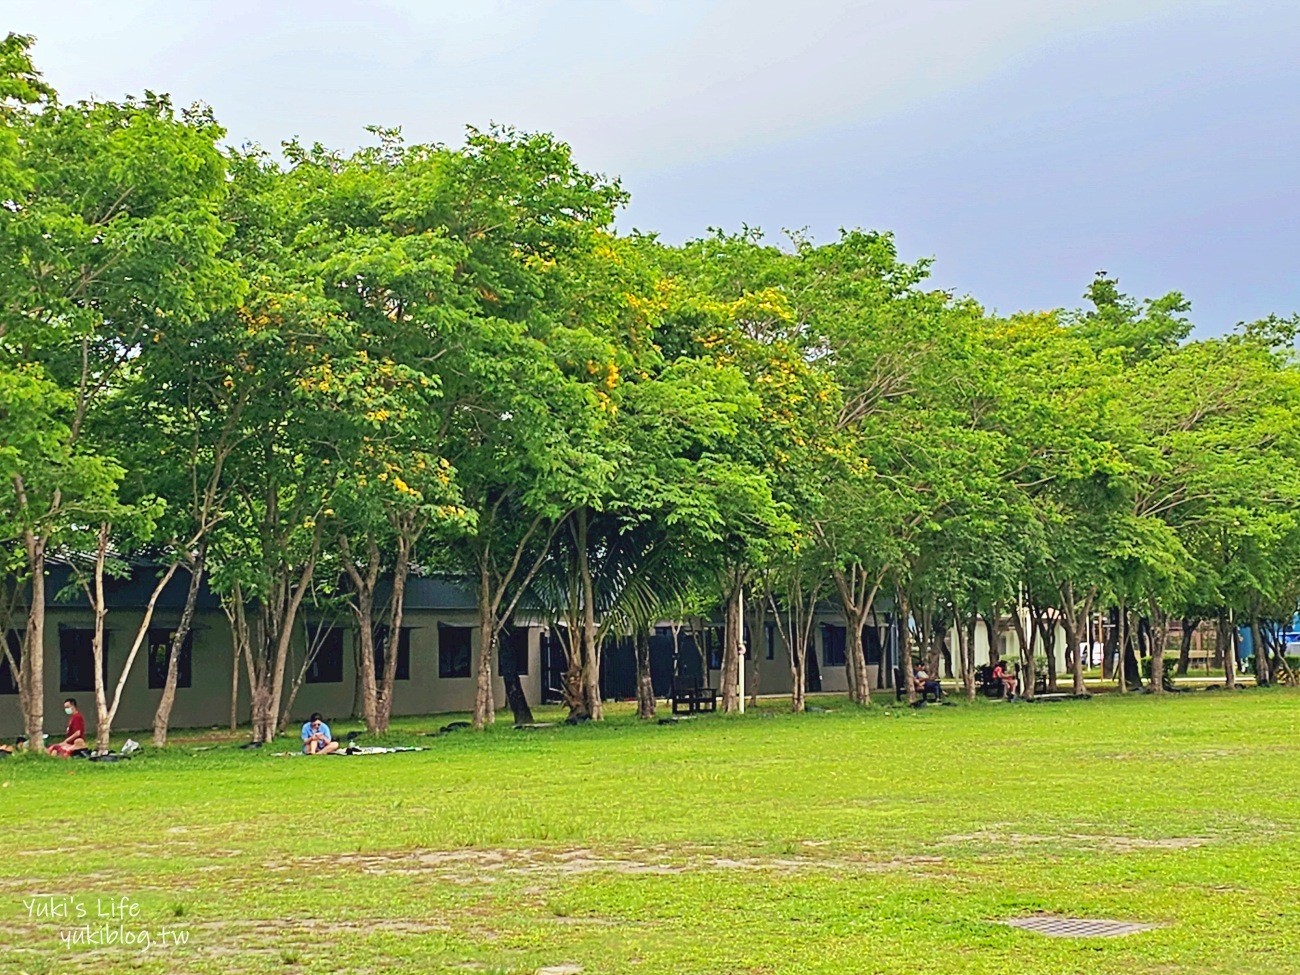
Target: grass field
{"type": "Point", "coordinates": [886, 840]}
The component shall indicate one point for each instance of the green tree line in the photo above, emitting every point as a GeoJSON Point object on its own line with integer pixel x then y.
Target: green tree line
{"type": "Point", "coordinates": [299, 378]}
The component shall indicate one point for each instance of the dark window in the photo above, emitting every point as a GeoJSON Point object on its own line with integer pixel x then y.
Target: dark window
{"type": "Point", "coordinates": [769, 632]}
{"type": "Point", "coordinates": [453, 650]}
{"type": "Point", "coordinates": [403, 652]}
{"type": "Point", "coordinates": [871, 644]}
{"type": "Point", "coordinates": [327, 666]}
{"type": "Point", "coordinates": [713, 643]}
{"type": "Point", "coordinates": [515, 641]}
{"type": "Point", "coordinates": [160, 647]}
{"type": "Point", "coordinates": [8, 678]}
{"type": "Point", "coordinates": [77, 659]}
{"type": "Point", "coordinates": [833, 638]}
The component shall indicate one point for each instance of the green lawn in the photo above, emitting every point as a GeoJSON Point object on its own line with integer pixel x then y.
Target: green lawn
{"type": "Point", "coordinates": [886, 840]}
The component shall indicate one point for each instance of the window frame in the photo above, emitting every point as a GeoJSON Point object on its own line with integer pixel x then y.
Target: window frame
{"type": "Point", "coordinates": [517, 640]}
{"type": "Point", "coordinates": [840, 645]}
{"type": "Point", "coordinates": [446, 670]}
{"type": "Point", "coordinates": [9, 679]}
{"type": "Point", "coordinates": [380, 644]}
{"type": "Point", "coordinates": [89, 650]}
{"type": "Point", "coordinates": [184, 662]}
{"type": "Point", "coordinates": [316, 672]}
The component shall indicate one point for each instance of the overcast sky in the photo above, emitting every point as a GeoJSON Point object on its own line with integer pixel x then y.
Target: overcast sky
{"type": "Point", "coordinates": [1024, 144]}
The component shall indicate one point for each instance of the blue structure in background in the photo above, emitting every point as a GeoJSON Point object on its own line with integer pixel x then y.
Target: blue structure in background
{"type": "Point", "coordinates": [1290, 637]}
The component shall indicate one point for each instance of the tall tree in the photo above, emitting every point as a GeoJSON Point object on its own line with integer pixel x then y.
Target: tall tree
{"type": "Point", "coordinates": [115, 208]}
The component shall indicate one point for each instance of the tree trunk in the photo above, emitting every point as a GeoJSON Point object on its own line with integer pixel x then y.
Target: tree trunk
{"type": "Point", "coordinates": [162, 716]}
{"type": "Point", "coordinates": [758, 636]}
{"type": "Point", "coordinates": [1048, 627]}
{"type": "Point", "coordinates": [1029, 661]}
{"type": "Point", "coordinates": [364, 578]}
{"type": "Point", "coordinates": [31, 672]}
{"type": "Point", "coordinates": [645, 691]}
{"type": "Point", "coordinates": [103, 723]}
{"type": "Point", "coordinates": [1121, 649]}
{"type": "Point", "coordinates": [798, 676]}
{"type": "Point", "coordinates": [1080, 621]}
{"type": "Point", "coordinates": [856, 660]}
{"type": "Point", "coordinates": [239, 651]}
{"type": "Point", "coordinates": [857, 595]}
{"type": "Point", "coordinates": [1227, 642]}
{"type": "Point", "coordinates": [590, 645]}
{"type": "Point", "coordinates": [905, 637]}
{"type": "Point", "coordinates": [1190, 623]}
{"type": "Point", "coordinates": [278, 618]}
{"type": "Point", "coordinates": [991, 634]}
{"type": "Point", "coordinates": [262, 707]}
{"type": "Point", "coordinates": [965, 650]}
{"type": "Point", "coordinates": [854, 678]}
{"type": "Point", "coordinates": [1159, 630]}
{"type": "Point", "coordinates": [1028, 655]}
{"type": "Point", "coordinates": [1028, 643]}
{"type": "Point", "coordinates": [484, 706]}
{"type": "Point", "coordinates": [1130, 668]}
{"type": "Point", "coordinates": [1110, 652]}
{"type": "Point", "coordinates": [364, 607]}
{"type": "Point", "coordinates": [925, 636]}
{"type": "Point", "coordinates": [358, 692]}
{"type": "Point", "coordinates": [393, 645]}
{"type": "Point", "coordinates": [733, 644]}
{"type": "Point", "coordinates": [106, 709]}
{"type": "Point", "coordinates": [516, 699]}
{"type": "Point", "coordinates": [796, 634]}
{"type": "Point", "coordinates": [1280, 670]}
{"type": "Point", "coordinates": [1071, 640]}
{"type": "Point", "coordinates": [1260, 656]}
{"type": "Point", "coordinates": [234, 686]}
{"type": "Point", "coordinates": [1083, 654]}
{"type": "Point", "coordinates": [575, 683]}
{"type": "Point", "coordinates": [496, 611]}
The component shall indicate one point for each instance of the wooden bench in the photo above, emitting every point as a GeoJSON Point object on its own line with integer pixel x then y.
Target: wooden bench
{"type": "Point", "coordinates": [991, 686]}
{"type": "Point", "coordinates": [987, 684]}
{"type": "Point", "coordinates": [900, 688]}
{"type": "Point", "coordinates": [690, 696]}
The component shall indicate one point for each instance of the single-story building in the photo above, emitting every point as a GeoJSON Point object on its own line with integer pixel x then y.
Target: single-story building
{"type": "Point", "coordinates": [436, 651]}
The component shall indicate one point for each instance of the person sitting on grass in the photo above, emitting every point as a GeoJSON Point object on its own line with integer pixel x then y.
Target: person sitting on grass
{"type": "Point", "coordinates": [75, 739]}
{"type": "Point", "coordinates": [1009, 681]}
{"type": "Point", "coordinates": [316, 737]}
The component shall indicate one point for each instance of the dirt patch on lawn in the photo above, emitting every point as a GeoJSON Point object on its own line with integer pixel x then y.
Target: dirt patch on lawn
{"type": "Point", "coordinates": [997, 839]}
{"type": "Point", "coordinates": [288, 928]}
{"type": "Point", "coordinates": [477, 866]}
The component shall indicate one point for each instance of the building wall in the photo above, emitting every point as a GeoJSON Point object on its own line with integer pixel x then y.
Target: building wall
{"type": "Point", "coordinates": [764, 676]}
{"type": "Point", "coordinates": [1009, 646]}
{"type": "Point", "coordinates": [206, 702]}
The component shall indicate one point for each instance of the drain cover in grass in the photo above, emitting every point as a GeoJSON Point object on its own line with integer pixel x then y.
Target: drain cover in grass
{"type": "Point", "coordinates": [1077, 927]}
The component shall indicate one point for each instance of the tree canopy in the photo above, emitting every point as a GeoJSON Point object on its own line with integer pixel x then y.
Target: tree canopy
{"type": "Point", "coordinates": [295, 374]}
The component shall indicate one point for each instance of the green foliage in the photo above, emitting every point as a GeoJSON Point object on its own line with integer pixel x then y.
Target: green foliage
{"type": "Point", "coordinates": [886, 827]}
{"type": "Point", "coordinates": [450, 352]}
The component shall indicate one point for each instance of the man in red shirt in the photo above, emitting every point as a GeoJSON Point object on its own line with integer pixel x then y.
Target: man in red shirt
{"type": "Point", "coordinates": [75, 740]}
